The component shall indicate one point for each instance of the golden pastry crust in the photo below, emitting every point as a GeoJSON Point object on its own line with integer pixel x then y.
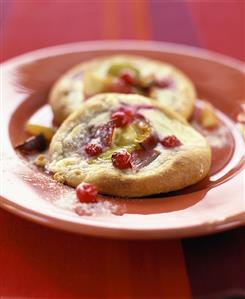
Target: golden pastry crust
{"type": "Point", "coordinates": [173, 169]}
{"type": "Point", "coordinates": [67, 93]}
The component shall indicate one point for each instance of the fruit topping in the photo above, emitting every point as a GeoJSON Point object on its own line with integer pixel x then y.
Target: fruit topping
{"type": "Point", "coordinates": [207, 117]}
{"type": "Point", "coordinates": [35, 130]}
{"type": "Point", "coordinates": [170, 141]}
{"type": "Point", "coordinates": [121, 159]}
{"type": "Point", "coordinates": [108, 153]}
{"type": "Point", "coordinates": [141, 158]}
{"type": "Point", "coordinates": [147, 81]}
{"type": "Point", "coordinates": [123, 77]}
{"type": "Point", "coordinates": [124, 136]}
{"type": "Point", "coordinates": [33, 145]}
{"type": "Point", "coordinates": [128, 137]}
{"type": "Point", "coordinates": [119, 86]}
{"type": "Point", "coordinates": [133, 133]}
{"type": "Point", "coordinates": [122, 117]}
{"type": "Point", "coordinates": [103, 134]}
{"type": "Point", "coordinates": [142, 128]}
{"type": "Point", "coordinates": [93, 149]}
{"type": "Point", "coordinates": [128, 76]}
{"type": "Point", "coordinates": [117, 68]}
{"type": "Point", "coordinates": [86, 193]}
{"type": "Point", "coordinates": [40, 161]}
{"type": "Point", "coordinates": [99, 138]}
{"type": "Point", "coordinates": [150, 142]}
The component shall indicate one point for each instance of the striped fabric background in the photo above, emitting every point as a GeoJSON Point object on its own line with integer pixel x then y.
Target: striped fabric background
{"type": "Point", "coordinates": [37, 262]}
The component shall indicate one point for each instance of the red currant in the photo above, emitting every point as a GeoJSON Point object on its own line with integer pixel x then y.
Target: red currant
{"type": "Point", "coordinates": [170, 141]}
{"type": "Point", "coordinates": [121, 159]}
{"type": "Point", "coordinates": [122, 117]}
{"type": "Point", "coordinates": [127, 77]}
{"type": "Point", "coordinates": [86, 193]}
{"type": "Point", "coordinates": [93, 149]}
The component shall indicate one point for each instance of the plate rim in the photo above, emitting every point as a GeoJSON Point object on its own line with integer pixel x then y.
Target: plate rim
{"type": "Point", "coordinates": [129, 45]}
{"type": "Point", "coordinates": [123, 232]}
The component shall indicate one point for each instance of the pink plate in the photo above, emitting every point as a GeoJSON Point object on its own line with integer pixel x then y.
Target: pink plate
{"type": "Point", "coordinates": [213, 205]}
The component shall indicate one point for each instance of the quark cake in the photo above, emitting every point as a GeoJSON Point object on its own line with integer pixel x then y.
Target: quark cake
{"type": "Point", "coordinates": [126, 146]}
{"type": "Point", "coordinates": [123, 74]}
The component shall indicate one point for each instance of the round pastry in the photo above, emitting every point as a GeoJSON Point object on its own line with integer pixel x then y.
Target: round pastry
{"type": "Point", "coordinates": [125, 146]}
{"type": "Point", "coordinates": [123, 74]}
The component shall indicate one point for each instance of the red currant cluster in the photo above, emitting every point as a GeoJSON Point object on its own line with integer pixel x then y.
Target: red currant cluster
{"type": "Point", "coordinates": [127, 81]}
{"type": "Point", "coordinates": [103, 138]}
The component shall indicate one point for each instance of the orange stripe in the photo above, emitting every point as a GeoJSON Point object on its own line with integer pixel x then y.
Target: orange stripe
{"type": "Point", "coordinates": [110, 20]}
{"type": "Point", "coordinates": [141, 19]}
{"type": "Point", "coordinates": [174, 277]}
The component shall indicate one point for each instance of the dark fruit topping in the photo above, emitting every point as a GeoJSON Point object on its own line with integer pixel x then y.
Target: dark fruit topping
{"type": "Point", "coordinates": [150, 142]}
{"type": "Point", "coordinates": [104, 134]}
{"type": "Point", "coordinates": [33, 145]}
{"type": "Point", "coordinates": [141, 158]}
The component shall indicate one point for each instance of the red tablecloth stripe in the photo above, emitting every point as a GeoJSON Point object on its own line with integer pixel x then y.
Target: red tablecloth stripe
{"type": "Point", "coordinates": [40, 262]}
{"type": "Point", "coordinates": [29, 25]}
{"type": "Point", "coordinates": [221, 25]}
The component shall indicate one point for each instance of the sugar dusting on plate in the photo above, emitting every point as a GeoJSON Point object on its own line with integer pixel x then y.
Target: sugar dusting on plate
{"type": "Point", "coordinates": [218, 137]}
{"type": "Point", "coordinates": [68, 200]}
{"type": "Point", "coordinates": [64, 197]}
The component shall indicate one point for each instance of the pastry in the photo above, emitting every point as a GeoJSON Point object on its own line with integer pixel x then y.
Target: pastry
{"type": "Point", "coordinates": [123, 74]}
{"type": "Point", "coordinates": [126, 146]}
